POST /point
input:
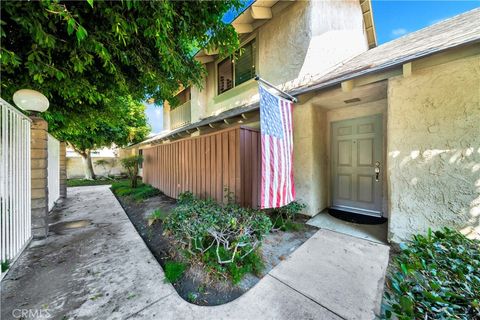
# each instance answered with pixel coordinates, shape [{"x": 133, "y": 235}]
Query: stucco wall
[
  {"x": 434, "y": 149},
  {"x": 306, "y": 38},
  {"x": 75, "y": 167},
  {"x": 309, "y": 157}
]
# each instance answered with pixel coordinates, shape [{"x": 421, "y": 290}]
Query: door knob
[{"x": 377, "y": 171}]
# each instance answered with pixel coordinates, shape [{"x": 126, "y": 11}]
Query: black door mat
[{"x": 355, "y": 217}]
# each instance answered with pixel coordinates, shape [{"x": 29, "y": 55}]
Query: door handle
[{"x": 377, "y": 171}]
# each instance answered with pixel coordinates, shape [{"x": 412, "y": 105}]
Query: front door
[{"x": 357, "y": 156}]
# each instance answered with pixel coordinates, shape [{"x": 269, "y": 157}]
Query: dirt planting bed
[{"x": 196, "y": 285}]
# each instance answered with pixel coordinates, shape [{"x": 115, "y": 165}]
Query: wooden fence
[{"x": 208, "y": 164}]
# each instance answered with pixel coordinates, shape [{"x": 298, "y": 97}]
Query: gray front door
[{"x": 357, "y": 156}]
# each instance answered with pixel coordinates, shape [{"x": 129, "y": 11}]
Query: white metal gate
[
  {"x": 15, "y": 182},
  {"x": 53, "y": 171}
]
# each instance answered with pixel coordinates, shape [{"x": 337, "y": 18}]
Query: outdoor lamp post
[
  {"x": 35, "y": 102},
  {"x": 30, "y": 100}
]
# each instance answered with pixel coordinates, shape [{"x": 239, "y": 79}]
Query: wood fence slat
[
  {"x": 189, "y": 165},
  {"x": 238, "y": 164},
  {"x": 207, "y": 167},
  {"x": 195, "y": 167},
  {"x": 248, "y": 167},
  {"x": 256, "y": 163},
  {"x": 231, "y": 161},
  {"x": 212, "y": 171},
  {"x": 218, "y": 168},
  {"x": 225, "y": 164}
]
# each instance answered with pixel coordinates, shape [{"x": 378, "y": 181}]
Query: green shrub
[
  {"x": 252, "y": 263},
  {"x": 156, "y": 215},
  {"x": 131, "y": 164},
  {"x": 192, "y": 297},
  {"x": 220, "y": 235},
  {"x": 435, "y": 277},
  {"x": 283, "y": 217},
  {"x": 141, "y": 192},
  {"x": 174, "y": 271},
  {"x": 5, "y": 265},
  {"x": 185, "y": 198}
]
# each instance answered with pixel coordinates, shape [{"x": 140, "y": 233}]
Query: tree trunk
[{"x": 87, "y": 165}]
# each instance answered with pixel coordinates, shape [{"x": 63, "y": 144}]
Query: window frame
[{"x": 218, "y": 61}]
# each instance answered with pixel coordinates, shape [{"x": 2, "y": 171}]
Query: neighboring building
[{"x": 389, "y": 131}]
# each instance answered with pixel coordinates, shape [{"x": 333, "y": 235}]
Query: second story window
[{"x": 234, "y": 71}]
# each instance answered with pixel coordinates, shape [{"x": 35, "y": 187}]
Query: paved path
[{"x": 103, "y": 270}]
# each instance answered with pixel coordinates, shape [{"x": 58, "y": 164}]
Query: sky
[{"x": 392, "y": 19}]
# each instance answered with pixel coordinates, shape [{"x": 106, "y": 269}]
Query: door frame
[{"x": 384, "y": 189}]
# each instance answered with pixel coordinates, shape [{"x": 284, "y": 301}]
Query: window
[{"x": 238, "y": 69}]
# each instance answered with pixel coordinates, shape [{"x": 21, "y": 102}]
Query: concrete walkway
[{"x": 99, "y": 268}]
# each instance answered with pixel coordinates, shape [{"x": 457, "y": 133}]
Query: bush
[
  {"x": 131, "y": 164},
  {"x": 219, "y": 235},
  {"x": 283, "y": 217},
  {"x": 174, "y": 271},
  {"x": 141, "y": 192},
  {"x": 5, "y": 265},
  {"x": 156, "y": 215},
  {"x": 435, "y": 277}
]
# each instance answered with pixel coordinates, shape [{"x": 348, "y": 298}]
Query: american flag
[{"x": 278, "y": 188}]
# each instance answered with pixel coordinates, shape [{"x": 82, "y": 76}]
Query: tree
[
  {"x": 79, "y": 54},
  {"x": 131, "y": 164},
  {"x": 121, "y": 122},
  {"x": 83, "y": 55}
]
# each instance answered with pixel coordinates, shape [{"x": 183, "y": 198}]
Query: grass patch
[
  {"x": 141, "y": 192},
  {"x": 436, "y": 276},
  {"x": 174, "y": 271},
  {"x": 85, "y": 182}
]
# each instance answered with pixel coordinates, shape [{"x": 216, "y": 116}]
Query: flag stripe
[{"x": 277, "y": 188}]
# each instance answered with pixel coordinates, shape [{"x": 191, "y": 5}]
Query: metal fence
[
  {"x": 53, "y": 171},
  {"x": 15, "y": 182}
]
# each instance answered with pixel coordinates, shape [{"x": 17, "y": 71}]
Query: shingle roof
[
  {"x": 459, "y": 30},
  {"x": 454, "y": 32}
]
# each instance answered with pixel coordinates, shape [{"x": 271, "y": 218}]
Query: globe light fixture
[{"x": 30, "y": 100}]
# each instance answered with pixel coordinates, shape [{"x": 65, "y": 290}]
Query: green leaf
[
  {"x": 407, "y": 305},
  {"x": 90, "y": 2},
  {"x": 404, "y": 268},
  {"x": 70, "y": 26},
  {"x": 81, "y": 33}
]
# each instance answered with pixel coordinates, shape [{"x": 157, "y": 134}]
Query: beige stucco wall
[
  {"x": 309, "y": 157},
  {"x": 305, "y": 38},
  {"x": 75, "y": 167},
  {"x": 434, "y": 149},
  {"x": 303, "y": 144}
]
